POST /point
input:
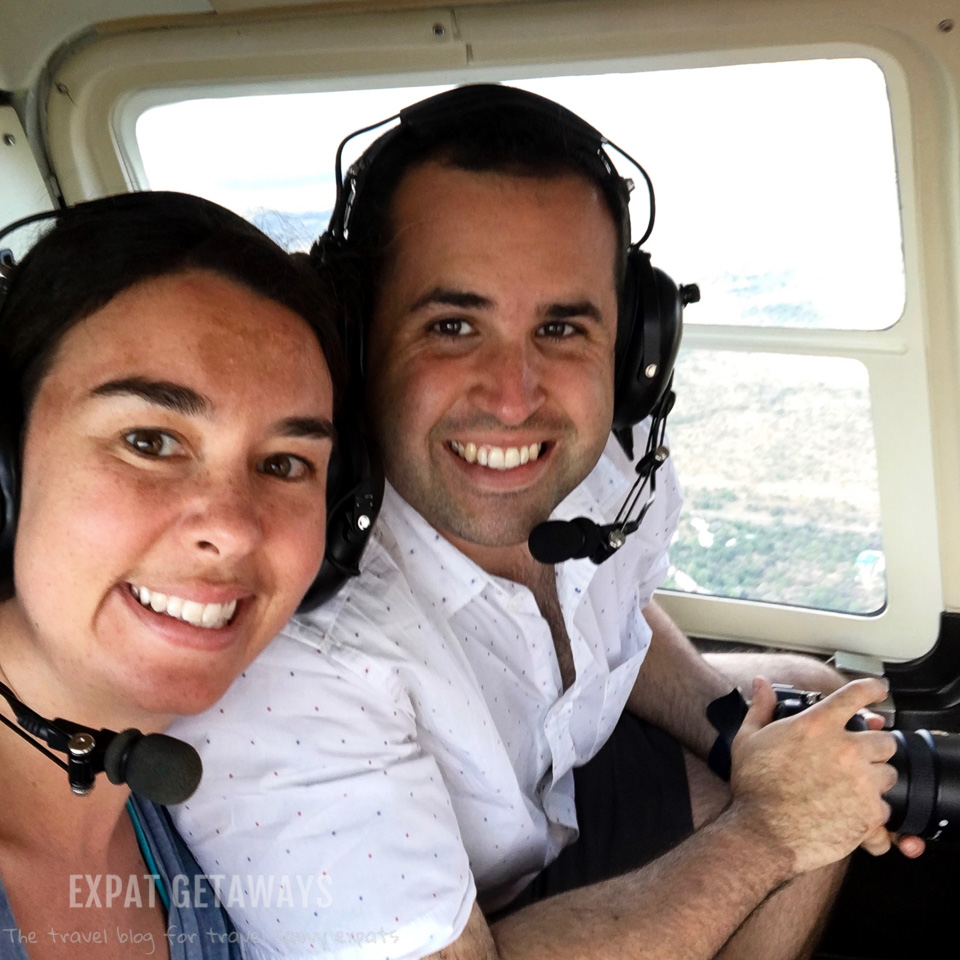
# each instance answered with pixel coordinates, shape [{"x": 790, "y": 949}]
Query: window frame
[{"x": 92, "y": 139}]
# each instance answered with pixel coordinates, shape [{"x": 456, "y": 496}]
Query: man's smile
[{"x": 497, "y": 458}]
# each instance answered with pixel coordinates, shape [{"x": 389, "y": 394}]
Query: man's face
[{"x": 490, "y": 354}]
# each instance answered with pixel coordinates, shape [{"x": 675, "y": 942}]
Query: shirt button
[{"x": 515, "y": 603}]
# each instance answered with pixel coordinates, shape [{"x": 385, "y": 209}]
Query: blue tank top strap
[
  {"x": 11, "y": 943},
  {"x": 148, "y": 857},
  {"x": 198, "y": 927}
]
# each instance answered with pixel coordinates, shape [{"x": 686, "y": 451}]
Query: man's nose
[
  {"x": 509, "y": 382},
  {"x": 222, "y": 516}
]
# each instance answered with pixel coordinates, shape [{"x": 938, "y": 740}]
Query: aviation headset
[
  {"x": 351, "y": 484},
  {"x": 650, "y": 309}
]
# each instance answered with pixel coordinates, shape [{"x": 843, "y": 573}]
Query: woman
[{"x": 173, "y": 375}]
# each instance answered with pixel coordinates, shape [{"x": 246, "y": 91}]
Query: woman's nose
[{"x": 223, "y": 518}]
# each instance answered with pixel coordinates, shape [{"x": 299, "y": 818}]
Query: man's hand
[
  {"x": 812, "y": 786},
  {"x": 909, "y": 845}
]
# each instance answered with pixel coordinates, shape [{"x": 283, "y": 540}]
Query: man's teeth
[
  {"x": 497, "y": 458},
  {"x": 211, "y": 615}
]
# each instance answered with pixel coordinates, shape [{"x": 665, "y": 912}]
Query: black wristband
[{"x": 726, "y": 713}]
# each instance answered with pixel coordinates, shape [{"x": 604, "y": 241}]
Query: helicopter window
[
  {"x": 778, "y": 192},
  {"x": 779, "y": 470},
  {"x": 776, "y": 182}
]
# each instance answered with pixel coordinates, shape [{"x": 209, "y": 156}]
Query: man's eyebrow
[
  {"x": 446, "y": 296},
  {"x": 163, "y": 393},
  {"x": 581, "y": 308},
  {"x": 308, "y": 428}
]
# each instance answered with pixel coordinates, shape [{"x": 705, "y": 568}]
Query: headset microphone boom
[{"x": 159, "y": 768}]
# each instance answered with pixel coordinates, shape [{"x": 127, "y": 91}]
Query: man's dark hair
[{"x": 494, "y": 137}]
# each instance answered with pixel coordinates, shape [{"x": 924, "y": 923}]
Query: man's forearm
[
  {"x": 675, "y": 684},
  {"x": 685, "y": 905},
  {"x": 806, "y": 792}
]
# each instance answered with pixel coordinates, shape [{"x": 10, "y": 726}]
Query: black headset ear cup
[
  {"x": 354, "y": 494},
  {"x": 9, "y": 493},
  {"x": 354, "y": 479},
  {"x": 650, "y": 325},
  {"x": 10, "y": 419}
]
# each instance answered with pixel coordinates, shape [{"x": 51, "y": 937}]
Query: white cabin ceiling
[{"x": 31, "y": 30}]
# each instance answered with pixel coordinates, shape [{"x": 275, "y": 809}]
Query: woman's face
[{"x": 173, "y": 498}]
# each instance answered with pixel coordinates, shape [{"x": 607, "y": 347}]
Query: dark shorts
[{"x": 633, "y": 804}]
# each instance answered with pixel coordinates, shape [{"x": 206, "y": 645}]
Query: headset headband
[{"x": 420, "y": 118}]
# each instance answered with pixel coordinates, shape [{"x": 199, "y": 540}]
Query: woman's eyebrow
[
  {"x": 186, "y": 400},
  {"x": 163, "y": 393}
]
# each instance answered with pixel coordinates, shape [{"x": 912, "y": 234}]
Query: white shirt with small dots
[{"x": 410, "y": 743}]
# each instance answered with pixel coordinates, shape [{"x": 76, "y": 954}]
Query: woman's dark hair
[{"x": 96, "y": 250}]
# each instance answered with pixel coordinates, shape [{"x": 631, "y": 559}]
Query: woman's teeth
[
  {"x": 210, "y": 615},
  {"x": 496, "y": 458}
]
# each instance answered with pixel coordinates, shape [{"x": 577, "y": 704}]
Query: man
[{"x": 414, "y": 742}]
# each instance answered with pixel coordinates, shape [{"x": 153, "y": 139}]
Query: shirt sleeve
[{"x": 321, "y": 823}]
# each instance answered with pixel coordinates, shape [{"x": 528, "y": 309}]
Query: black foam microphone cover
[
  {"x": 557, "y": 540},
  {"x": 155, "y": 766}
]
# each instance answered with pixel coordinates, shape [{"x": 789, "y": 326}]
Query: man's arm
[
  {"x": 675, "y": 684},
  {"x": 682, "y": 905},
  {"x": 806, "y": 792}
]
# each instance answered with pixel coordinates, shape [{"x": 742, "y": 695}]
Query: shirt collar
[
  {"x": 443, "y": 576},
  {"x": 436, "y": 570}
]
